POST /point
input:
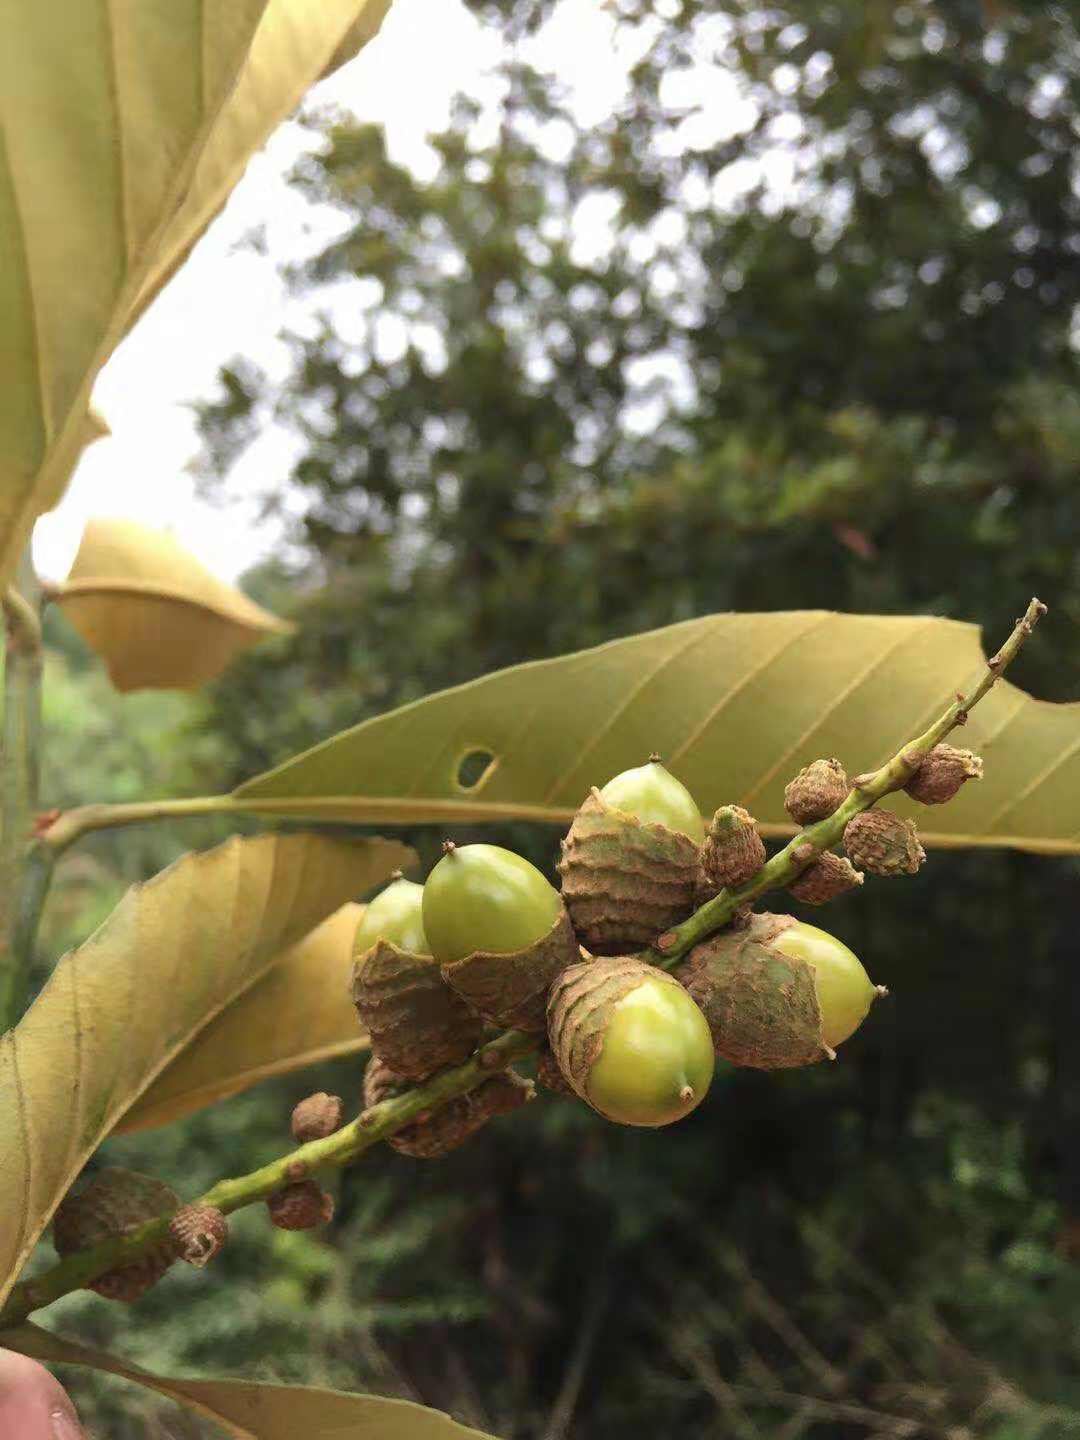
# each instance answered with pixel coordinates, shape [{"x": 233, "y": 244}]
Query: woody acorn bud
[
  {"x": 302, "y": 1206},
  {"x": 114, "y": 1202},
  {"x": 434, "y": 1135},
  {"x": 816, "y": 791},
  {"x": 316, "y": 1117},
  {"x": 733, "y": 849},
  {"x": 198, "y": 1232},
  {"x": 942, "y": 773},
  {"x": 830, "y": 875},
  {"x": 883, "y": 843}
]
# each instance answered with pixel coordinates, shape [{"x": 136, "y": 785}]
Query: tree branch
[
  {"x": 787, "y": 864},
  {"x": 18, "y": 791},
  {"x": 341, "y": 1148},
  {"x": 381, "y": 1121}
]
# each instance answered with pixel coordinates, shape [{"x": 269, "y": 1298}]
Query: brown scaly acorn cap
[
  {"x": 830, "y": 875},
  {"x": 302, "y": 1206},
  {"x": 416, "y": 1021},
  {"x": 733, "y": 849},
  {"x": 625, "y": 882},
  {"x": 761, "y": 1005},
  {"x": 580, "y": 1006},
  {"x": 942, "y": 773},
  {"x": 816, "y": 791},
  {"x": 198, "y": 1233},
  {"x": 444, "y": 1129},
  {"x": 883, "y": 843},
  {"x": 316, "y": 1117},
  {"x": 550, "y": 1077},
  {"x": 510, "y": 989},
  {"x": 115, "y": 1201}
]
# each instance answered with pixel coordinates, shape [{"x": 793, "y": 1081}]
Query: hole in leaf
[{"x": 474, "y": 767}]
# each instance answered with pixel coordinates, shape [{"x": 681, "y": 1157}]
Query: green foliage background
[{"x": 857, "y": 390}]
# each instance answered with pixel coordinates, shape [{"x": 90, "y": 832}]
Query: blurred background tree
[{"x": 812, "y": 348}]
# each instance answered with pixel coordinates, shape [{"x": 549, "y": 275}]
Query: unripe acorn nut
[
  {"x": 778, "y": 993},
  {"x": 630, "y": 1041},
  {"x": 395, "y": 914},
  {"x": 655, "y": 797},
  {"x": 500, "y": 931}
]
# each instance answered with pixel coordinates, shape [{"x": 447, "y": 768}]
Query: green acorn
[
  {"x": 943, "y": 771},
  {"x": 883, "y": 843},
  {"x": 114, "y": 1202},
  {"x": 630, "y": 1041},
  {"x": 816, "y": 791},
  {"x": 778, "y": 993},
  {"x": 443, "y": 1130},
  {"x": 416, "y": 1021},
  {"x": 631, "y": 863},
  {"x": 829, "y": 876},
  {"x": 500, "y": 931},
  {"x": 733, "y": 849}
]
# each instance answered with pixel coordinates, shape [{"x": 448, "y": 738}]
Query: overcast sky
[{"x": 227, "y": 301}]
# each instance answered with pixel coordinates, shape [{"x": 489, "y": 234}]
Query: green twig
[
  {"x": 18, "y": 791},
  {"x": 367, "y": 1130},
  {"x": 787, "y": 864},
  {"x": 383, "y": 1120}
]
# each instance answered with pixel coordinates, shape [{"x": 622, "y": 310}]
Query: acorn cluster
[{"x": 487, "y": 941}]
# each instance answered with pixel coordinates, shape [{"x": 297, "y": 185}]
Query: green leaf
[
  {"x": 157, "y": 617},
  {"x": 734, "y": 703},
  {"x": 175, "y": 954},
  {"x": 250, "y": 1411},
  {"x": 298, "y": 1014},
  {"x": 124, "y": 128}
]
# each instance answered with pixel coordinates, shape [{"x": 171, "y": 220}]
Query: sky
[{"x": 228, "y": 301}]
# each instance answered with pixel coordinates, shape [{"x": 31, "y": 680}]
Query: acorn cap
[
  {"x": 114, "y": 1202},
  {"x": 816, "y": 791},
  {"x": 302, "y": 1206},
  {"x": 625, "y": 882},
  {"x": 316, "y": 1117},
  {"x": 198, "y": 1233},
  {"x": 444, "y": 1129},
  {"x": 510, "y": 989},
  {"x": 943, "y": 771},
  {"x": 733, "y": 849},
  {"x": 830, "y": 875},
  {"x": 550, "y": 1077},
  {"x": 761, "y": 1005},
  {"x": 883, "y": 843},
  {"x": 416, "y": 1021}
]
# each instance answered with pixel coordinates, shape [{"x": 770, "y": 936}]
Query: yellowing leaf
[
  {"x": 175, "y": 953},
  {"x": 123, "y": 128},
  {"x": 301, "y": 1012},
  {"x": 734, "y": 703},
  {"x": 249, "y": 1411},
  {"x": 154, "y": 613}
]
